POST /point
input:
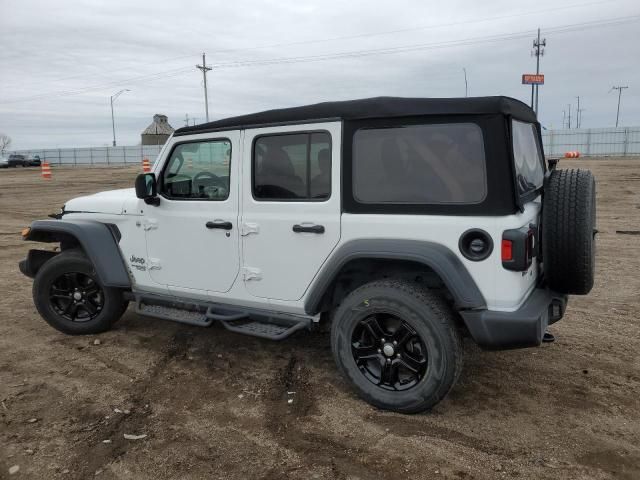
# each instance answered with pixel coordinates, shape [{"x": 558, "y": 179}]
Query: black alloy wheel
[
  {"x": 397, "y": 343},
  {"x": 389, "y": 352},
  {"x": 69, "y": 295},
  {"x": 76, "y": 297}
]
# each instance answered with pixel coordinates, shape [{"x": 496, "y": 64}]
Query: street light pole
[{"x": 113, "y": 123}]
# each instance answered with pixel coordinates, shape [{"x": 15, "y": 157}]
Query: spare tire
[{"x": 568, "y": 231}]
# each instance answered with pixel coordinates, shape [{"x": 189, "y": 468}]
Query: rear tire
[
  {"x": 70, "y": 297},
  {"x": 568, "y": 229},
  {"x": 398, "y": 345}
]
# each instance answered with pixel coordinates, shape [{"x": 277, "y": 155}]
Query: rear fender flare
[{"x": 439, "y": 258}]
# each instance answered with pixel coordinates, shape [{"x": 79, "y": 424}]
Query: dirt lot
[{"x": 214, "y": 404}]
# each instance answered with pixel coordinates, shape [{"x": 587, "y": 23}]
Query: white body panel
[
  {"x": 182, "y": 253},
  {"x": 184, "y": 258},
  {"x": 502, "y": 289},
  {"x": 271, "y": 251}
]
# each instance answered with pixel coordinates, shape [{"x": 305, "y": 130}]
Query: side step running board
[{"x": 256, "y": 323}]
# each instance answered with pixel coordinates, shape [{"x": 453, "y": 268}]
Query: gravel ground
[{"x": 213, "y": 404}]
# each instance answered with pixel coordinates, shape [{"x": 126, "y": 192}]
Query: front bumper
[
  {"x": 35, "y": 259},
  {"x": 523, "y": 328}
]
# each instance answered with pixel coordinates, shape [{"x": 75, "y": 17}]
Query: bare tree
[{"x": 5, "y": 142}]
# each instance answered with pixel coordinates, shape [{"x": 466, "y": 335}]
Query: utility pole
[
  {"x": 538, "y": 52},
  {"x": 569, "y": 105},
  {"x": 113, "y": 122},
  {"x": 619, "y": 88},
  {"x": 564, "y": 118},
  {"x": 204, "y": 69},
  {"x": 466, "y": 85},
  {"x": 186, "y": 119},
  {"x": 578, "y": 113}
]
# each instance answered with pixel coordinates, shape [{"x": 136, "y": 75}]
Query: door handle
[
  {"x": 222, "y": 225},
  {"x": 308, "y": 229}
]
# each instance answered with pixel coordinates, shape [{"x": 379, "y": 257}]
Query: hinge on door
[
  {"x": 154, "y": 264},
  {"x": 250, "y": 273},
  {"x": 249, "y": 228},
  {"x": 149, "y": 224}
]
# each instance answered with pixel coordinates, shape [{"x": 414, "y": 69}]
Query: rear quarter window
[
  {"x": 527, "y": 156},
  {"x": 420, "y": 164}
]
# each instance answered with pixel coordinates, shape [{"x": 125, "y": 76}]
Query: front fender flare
[
  {"x": 96, "y": 239},
  {"x": 434, "y": 255}
]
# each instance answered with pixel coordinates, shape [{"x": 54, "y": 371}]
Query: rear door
[{"x": 290, "y": 206}]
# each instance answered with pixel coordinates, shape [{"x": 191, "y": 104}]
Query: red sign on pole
[{"x": 532, "y": 79}]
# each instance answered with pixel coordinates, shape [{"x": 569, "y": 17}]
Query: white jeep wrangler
[{"x": 405, "y": 223}]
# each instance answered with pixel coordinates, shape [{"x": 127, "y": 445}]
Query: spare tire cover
[{"x": 568, "y": 231}]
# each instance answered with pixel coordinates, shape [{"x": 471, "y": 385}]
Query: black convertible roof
[{"x": 368, "y": 108}]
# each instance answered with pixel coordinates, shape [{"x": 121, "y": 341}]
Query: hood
[{"x": 111, "y": 201}]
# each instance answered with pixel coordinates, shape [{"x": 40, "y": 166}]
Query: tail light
[
  {"x": 519, "y": 247},
  {"x": 507, "y": 250}
]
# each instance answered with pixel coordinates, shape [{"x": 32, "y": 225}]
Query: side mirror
[{"x": 146, "y": 188}]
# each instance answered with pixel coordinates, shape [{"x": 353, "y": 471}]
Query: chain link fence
[
  {"x": 617, "y": 142},
  {"x": 95, "y": 155},
  {"x": 589, "y": 142}
]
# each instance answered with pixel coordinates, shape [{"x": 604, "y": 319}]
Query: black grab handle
[
  {"x": 309, "y": 229},
  {"x": 223, "y": 225}
]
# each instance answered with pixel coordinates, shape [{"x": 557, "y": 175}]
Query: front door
[
  {"x": 291, "y": 207},
  {"x": 192, "y": 236}
]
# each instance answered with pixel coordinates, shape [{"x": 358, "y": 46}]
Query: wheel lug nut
[
  {"x": 379, "y": 351},
  {"x": 383, "y": 340},
  {"x": 395, "y": 342}
]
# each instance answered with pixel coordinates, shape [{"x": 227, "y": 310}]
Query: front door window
[{"x": 198, "y": 170}]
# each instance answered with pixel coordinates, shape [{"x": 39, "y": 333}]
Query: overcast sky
[{"x": 61, "y": 61}]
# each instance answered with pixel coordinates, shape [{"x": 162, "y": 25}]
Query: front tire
[
  {"x": 70, "y": 297},
  {"x": 398, "y": 345}
]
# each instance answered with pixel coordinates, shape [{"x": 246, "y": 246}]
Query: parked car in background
[
  {"x": 4, "y": 161},
  {"x": 34, "y": 160},
  {"x": 18, "y": 160}
]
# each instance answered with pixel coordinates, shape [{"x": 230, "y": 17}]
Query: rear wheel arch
[{"x": 361, "y": 261}]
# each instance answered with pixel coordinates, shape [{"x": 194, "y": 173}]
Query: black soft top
[{"x": 368, "y": 108}]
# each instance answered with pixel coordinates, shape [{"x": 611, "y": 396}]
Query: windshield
[{"x": 527, "y": 155}]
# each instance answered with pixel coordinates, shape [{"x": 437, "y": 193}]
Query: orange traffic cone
[
  {"x": 46, "y": 170},
  {"x": 146, "y": 166}
]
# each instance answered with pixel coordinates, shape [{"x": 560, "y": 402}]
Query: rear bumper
[{"x": 523, "y": 328}]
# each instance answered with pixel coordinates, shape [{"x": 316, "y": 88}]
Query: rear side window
[
  {"x": 527, "y": 156},
  {"x": 420, "y": 164},
  {"x": 292, "y": 167}
]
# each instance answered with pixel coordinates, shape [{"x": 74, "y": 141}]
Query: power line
[
  {"x": 67, "y": 93},
  {"x": 417, "y": 28},
  {"x": 427, "y": 46},
  {"x": 356, "y": 36},
  {"x": 339, "y": 55}
]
